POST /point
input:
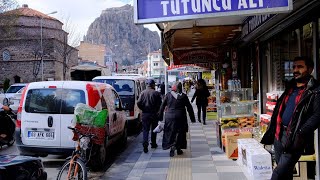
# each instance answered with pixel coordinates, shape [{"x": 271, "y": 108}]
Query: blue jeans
[{"x": 285, "y": 161}]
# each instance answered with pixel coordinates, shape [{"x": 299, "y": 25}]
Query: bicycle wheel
[{"x": 80, "y": 175}]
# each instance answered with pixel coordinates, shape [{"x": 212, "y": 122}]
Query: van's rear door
[
  {"x": 73, "y": 94},
  {"x": 40, "y": 117}
]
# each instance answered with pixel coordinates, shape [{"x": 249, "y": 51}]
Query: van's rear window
[
  {"x": 53, "y": 101},
  {"x": 122, "y": 86}
]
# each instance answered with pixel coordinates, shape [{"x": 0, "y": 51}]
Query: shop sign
[
  {"x": 189, "y": 67},
  {"x": 206, "y": 75},
  {"x": 253, "y": 22},
  {"x": 179, "y": 66},
  {"x": 154, "y": 11},
  {"x": 197, "y": 56}
]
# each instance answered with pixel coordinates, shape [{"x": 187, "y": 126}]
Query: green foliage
[{"x": 6, "y": 84}]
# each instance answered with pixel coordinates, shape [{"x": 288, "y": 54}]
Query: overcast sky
[{"x": 80, "y": 12}]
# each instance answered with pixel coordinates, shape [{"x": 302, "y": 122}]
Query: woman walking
[
  {"x": 176, "y": 123},
  {"x": 202, "y": 94}
]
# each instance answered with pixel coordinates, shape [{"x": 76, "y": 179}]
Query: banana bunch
[{"x": 229, "y": 123}]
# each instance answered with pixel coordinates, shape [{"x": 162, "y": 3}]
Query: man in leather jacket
[
  {"x": 294, "y": 120},
  {"x": 149, "y": 102}
]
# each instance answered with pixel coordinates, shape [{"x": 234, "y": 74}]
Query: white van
[
  {"x": 129, "y": 89},
  {"x": 46, "y": 110}
]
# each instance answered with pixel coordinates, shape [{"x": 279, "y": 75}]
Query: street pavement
[{"x": 202, "y": 160}]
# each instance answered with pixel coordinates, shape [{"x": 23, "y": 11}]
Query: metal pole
[
  {"x": 165, "y": 80},
  {"x": 41, "y": 44},
  {"x": 315, "y": 31},
  {"x": 41, "y": 48}
]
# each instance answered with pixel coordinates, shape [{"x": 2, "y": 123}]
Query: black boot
[
  {"x": 172, "y": 151},
  {"x": 154, "y": 145},
  {"x": 145, "y": 147},
  {"x": 179, "y": 151}
]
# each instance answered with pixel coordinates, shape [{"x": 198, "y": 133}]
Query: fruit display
[
  {"x": 246, "y": 121},
  {"x": 229, "y": 123},
  {"x": 225, "y": 99},
  {"x": 211, "y": 99}
]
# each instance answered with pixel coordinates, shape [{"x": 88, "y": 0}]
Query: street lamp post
[{"x": 41, "y": 45}]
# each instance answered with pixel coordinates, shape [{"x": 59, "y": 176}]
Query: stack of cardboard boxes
[{"x": 255, "y": 159}]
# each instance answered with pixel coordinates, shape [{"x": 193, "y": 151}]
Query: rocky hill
[{"x": 129, "y": 42}]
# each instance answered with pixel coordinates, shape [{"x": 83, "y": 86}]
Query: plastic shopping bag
[{"x": 159, "y": 128}]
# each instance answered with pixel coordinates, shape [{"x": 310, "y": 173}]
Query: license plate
[{"x": 40, "y": 135}]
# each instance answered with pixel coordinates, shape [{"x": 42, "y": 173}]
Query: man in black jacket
[
  {"x": 294, "y": 120},
  {"x": 149, "y": 102}
]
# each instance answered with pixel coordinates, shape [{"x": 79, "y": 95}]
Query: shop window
[
  {"x": 307, "y": 42},
  {"x": 285, "y": 47}
]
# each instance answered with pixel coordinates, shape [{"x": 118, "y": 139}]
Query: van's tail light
[
  {"x": 131, "y": 113},
  {"x": 18, "y": 121}
]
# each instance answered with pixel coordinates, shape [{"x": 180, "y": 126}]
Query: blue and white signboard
[{"x": 153, "y": 11}]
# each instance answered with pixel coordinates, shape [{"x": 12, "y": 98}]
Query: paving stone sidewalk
[{"x": 203, "y": 160}]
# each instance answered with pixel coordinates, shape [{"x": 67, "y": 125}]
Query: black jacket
[
  {"x": 149, "y": 101},
  {"x": 305, "y": 120},
  {"x": 202, "y": 96},
  {"x": 175, "y": 118}
]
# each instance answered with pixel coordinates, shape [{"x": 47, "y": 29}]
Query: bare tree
[
  {"x": 6, "y": 5},
  {"x": 70, "y": 40},
  {"x": 74, "y": 36}
]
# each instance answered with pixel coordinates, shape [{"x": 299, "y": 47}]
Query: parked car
[
  {"x": 21, "y": 167},
  {"x": 11, "y": 91},
  {"x": 129, "y": 89},
  {"x": 14, "y": 101},
  {"x": 47, "y": 109}
]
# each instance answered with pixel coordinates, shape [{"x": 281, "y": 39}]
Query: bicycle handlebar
[{"x": 78, "y": 132}]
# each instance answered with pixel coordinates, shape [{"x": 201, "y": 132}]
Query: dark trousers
[
  {"x": 181, "y": 140},
  {"x": 149, "y": 120},
  {"x": 203, "y": 108},
  {"x": 285, "y": 161}
]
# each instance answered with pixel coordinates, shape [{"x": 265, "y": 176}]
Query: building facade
[
  {"x": 99, "y": 54},
  {"x": 30, "y": 41},
  {"x": 156, "y": 66}
]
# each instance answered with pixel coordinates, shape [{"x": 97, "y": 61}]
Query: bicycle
[{"x": 75, "y": 167}]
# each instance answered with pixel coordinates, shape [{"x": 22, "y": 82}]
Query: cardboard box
[
  {"x": 232, "y": 144},
  {"x": 259, "y": 163},
  {"x": 243, "y": 145}
]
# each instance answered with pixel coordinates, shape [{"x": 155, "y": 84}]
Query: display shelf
[{"x": 236, "y": 116}]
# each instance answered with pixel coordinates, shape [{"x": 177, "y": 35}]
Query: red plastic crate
[{"x": 100, "y": 133}]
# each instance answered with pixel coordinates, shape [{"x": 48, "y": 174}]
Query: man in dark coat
[
  {"x": 162, "y": 88},
  {"x": 149, "y": 102},
  {"x": 294, "y": 120},
  {"x": 176, "y": 123}
]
